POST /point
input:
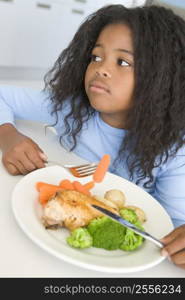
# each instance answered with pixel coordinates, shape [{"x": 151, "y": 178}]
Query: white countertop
[{"x": 20, "y": 257}]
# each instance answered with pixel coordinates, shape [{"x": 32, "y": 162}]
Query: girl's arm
[
  {"x": 170, "y": 187},
  {"x": 175, "y": 246},
  {"x": 21, "y": 154},
  {"x": 25, "y": 104},
  {"x": 170, "y": 191}
]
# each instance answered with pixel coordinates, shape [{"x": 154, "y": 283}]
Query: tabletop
[{"x": 20, "y": 257}]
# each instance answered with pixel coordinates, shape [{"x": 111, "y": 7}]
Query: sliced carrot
[
  {"x": 80, "y": 188},
  {"x": 66, "y": 184},
  {"x": 89, "y": 185},
  {"x": 41, "y": 184},
  {"x": 46, "y": 192},
  {"x": 102, "y": 168}
]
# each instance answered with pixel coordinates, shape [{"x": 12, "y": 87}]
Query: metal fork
[{"x": 77, "y": 170}]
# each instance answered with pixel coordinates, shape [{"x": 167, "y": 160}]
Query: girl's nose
[{"x": 103, "y": 73}]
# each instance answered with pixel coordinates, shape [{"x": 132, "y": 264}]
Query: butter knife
[{"x": 129, "y": 225}]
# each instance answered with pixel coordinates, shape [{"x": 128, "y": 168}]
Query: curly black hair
[{"x": 157, "y": 119}]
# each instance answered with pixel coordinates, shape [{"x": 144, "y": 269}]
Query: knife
[{"x": 129, "y": 225}]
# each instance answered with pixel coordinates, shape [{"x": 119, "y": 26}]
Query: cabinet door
[
  {"x": 127, "y": 3},
  {"x": 67, "y": 18},
  {"x": 72, "y": 19},
  {"x": 37, "y": 33},
  {"x": 43, "y": 30},
  {"x": 7, "y": 32}
]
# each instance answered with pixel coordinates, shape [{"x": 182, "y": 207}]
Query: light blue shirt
[
  {"x": 178, "y": 3},
  {"x": 95, "y": 139}
]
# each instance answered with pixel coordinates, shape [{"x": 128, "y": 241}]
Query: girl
[{"x": 118, "y": 88}]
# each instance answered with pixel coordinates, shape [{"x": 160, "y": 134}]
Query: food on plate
[
  {"x": 66, "y": 184},
  {"x": 42, "y": 184},
  {"x": 89, "y": 185},
  {"x": 89, "y": 227},
  {"x": 131, "y": 240},
  {"x": 139, "y": 212},
  {"x": 101, "y": 169},
  {"x": 46, "y": 190},
  {"x": 80, "y": 188},
  {"x": 128, "y": 214},
  {"x": 106, "y": 233},
  {"x": 80, "y": 238},
  {"x": 110, "y": 235},
  {"x": 71, "y": 209},
  {"x": 77, "y": 186},
  {"x": 116, "y": 196},
  {"x": 69, "y": 205},
  {"x": 107, "y": 202}
]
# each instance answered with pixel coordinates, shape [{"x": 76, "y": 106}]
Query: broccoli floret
[
  {"x": 106, "y": 233},
  {"x": 138, "y": 224},
  {"x": 129, "y": 215},
  {"x": 80, "y": 238},
  {"x": 132, "y": 240},
  {"x": 96, "y": 223}
]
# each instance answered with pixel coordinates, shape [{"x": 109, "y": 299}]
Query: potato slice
[
  {"x": 107, "y": 202},
  {"x": 116, "y": 196},
  {"x": 139, "y": 212}
]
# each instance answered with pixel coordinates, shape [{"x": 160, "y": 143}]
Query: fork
[{"x": 77, "y": 170}]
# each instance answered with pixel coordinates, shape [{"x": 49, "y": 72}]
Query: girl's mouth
[{"x": 98, "y": 87}]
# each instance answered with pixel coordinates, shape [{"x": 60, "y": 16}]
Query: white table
[{"x": 19, "y": 256}]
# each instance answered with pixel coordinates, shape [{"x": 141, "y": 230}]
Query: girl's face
[{"x": 109, "y": 78}]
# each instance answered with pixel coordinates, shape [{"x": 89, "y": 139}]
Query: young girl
[{"x": 118, "y": 88}]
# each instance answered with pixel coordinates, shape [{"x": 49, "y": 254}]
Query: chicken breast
[{"x": 71, "y": 209}]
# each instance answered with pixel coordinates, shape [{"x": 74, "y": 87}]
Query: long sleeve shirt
[{"x": 94, "y": 140}]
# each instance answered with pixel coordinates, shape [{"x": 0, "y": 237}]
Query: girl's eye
[
  {"x": 122, "y": 62},
  {"x": 95, "y": 58}
]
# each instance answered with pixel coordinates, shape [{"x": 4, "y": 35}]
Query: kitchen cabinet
[
  {"x": 34, "y": 32},
  {"x": 127, "y": 3},
  {"x": 37, "y": 31},
  {"x": 7, "y": 32},
  {"x": 38, "y": 34}
]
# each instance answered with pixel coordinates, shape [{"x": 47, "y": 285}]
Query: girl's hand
[
  {"x": 20, "y": 154},
  {"x": 174, "y": 247}
]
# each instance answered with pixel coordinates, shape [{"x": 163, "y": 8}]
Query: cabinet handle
[
  {"x": 6, "y": 0},
  {"x": 77, "y": 11},
  {"x": 44, "y": 6},
  {"x": 82, "y": 1}
]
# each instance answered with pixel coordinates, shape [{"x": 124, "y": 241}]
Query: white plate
[{"x": 28, "y": 211}]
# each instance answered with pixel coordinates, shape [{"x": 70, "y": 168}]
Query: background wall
[
  {"x": 34, "y": 32},
  {"x": 177, "y": 5}
]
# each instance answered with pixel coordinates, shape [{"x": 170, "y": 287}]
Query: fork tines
[{"x": 85, "y": 170}]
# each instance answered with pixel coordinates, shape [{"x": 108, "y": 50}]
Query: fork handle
[
  {"x": 53, "y": 162},
  {"x": 59, "y": 164}
]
